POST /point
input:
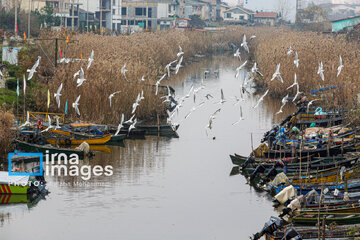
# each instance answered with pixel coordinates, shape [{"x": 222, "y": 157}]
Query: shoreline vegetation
[{"x": 147, "y": 54}]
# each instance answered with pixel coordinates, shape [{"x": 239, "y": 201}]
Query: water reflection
[{"x": 167, "y": 188}]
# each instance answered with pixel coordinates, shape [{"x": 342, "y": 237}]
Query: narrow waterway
[{"x": 164, "y": 188}]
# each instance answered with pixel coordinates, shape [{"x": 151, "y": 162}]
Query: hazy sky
[{"x": 266, "y": 5}]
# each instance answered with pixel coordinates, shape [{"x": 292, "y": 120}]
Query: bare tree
[{"x": 283, "y": 7}]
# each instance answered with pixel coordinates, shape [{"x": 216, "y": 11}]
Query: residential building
[
  {"x": 345, "y": 24},
  {"x": 223, "y": 8},
  {"x": 266, "y": 18},
  {"x": 238, "y": 15},
  {"x": 204, "y": 9}
]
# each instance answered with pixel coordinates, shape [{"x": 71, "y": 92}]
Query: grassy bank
[{"x": 6, "y": 122}]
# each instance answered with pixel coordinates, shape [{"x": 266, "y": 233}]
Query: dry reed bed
[
  {"x": 144, "y": 54},
  {"x": 6, "y": 122},
  {"x": 147, "y": 54},
  {"x": 272, "y": 47}
]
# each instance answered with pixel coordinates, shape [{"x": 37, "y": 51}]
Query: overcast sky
[{"x": 266, "y": 5}]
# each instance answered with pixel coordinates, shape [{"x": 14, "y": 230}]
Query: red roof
[{"x": 265, "y": 15}]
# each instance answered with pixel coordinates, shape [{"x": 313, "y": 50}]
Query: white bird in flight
[
  {"x": 33, "y": 69},
  {"x": 240, "y": 119},
  {"x": 261, "y": 98},
  {"x": 244, "y": 44},
  {"x": 120, "y": 126},
  {"x": 254, "y": 69},
  {"x": 27, "y": 122},
  {"x": 178, "y": 65},
  {"x": 91, "y": 59},
  {"x": 283, "y": 101},
  {"x": 294, "y": 84},
  {"x": 81, "y": 79},
  {"x": 239, "y": 68},
  {"x": 168, "y": 67},
  {"x": 211, "y": 119},
  {"x": 130, "y": 120},
  {"x": 310, "y": 103},
  {"x": 341, "y": 66},
  {"x": 290, "y": 51},
  {"x": 75, "y": 105},
  {"x": 76, "y": 74},
  {"x": 180, "y": 52},
  {"x": 296, "y": 61},
  {"x": 321, "y": 71},
  {"x": 237, "y": 54},
  {"x": 132, "y": 126},
  {"x": 158, "y": 83},
  {"x": 112, "y": 95},
  {"x": 49, "y": 125},
  {"x": 277, "y": 74},
  {"x": 297, "y": 92},
  {"x": 57, "y": 95},
  {"x": 123, "y": 72}
]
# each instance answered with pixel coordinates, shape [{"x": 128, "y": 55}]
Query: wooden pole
[{"x": 56, "y": 50}]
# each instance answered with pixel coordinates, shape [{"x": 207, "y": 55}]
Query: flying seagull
[
  {"x": 254, "y": 69},
  {"x": 239, "y": 68},
  {"x": 294, "y": 84},
  {"x": 168, "y": 67},
  {"x": 241, "y": 117},
  {"x": 76, "y": 105},
  {"x": 321, "y": 71},
  {"x": 261, "y": 98},
  {"x": 290, "y": 51},
  {"x": 27, "y": 122},
  {"x": 211, "y": 119},
  {"x": 33, "y": 69},
  {"x": 283, "y": 101},
  {"x": 112, "y": 95},
  {"x": 91, "y": 59},
  {"x": 123, "y": 72},
  {"x": 180, "y": 52},
  {"x": 57, "y": 95},
  {"x": 244, "y": 44},
  {"x": 81, "y": 79},
  {"x": 158, "y": 83},
  {"x": 49, "y": 125},
  {"x": 237, "y": 54},
  {"x": 310, "y": 103},
  {"x": 120, "y": 125},
  {"x": 296, "y": 61},
  {"x": 341, "y": 66},
  {"x": 297, "y": 92},
  {"x": 277, "y": 74},
  {"x": 132, "y": 126}
]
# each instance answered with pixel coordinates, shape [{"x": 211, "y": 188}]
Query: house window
[
  {"x": 241, "y": 17},
  {"x": 123, "y": 11},
  {"x": 169, "y": 8},
  {"x": 114, "y": 2},
  {"x": 113, "y": 11},
  {"x": 140, "y": 11},
  {"x": 228, "y": 15},
  {"x": 149, "y": 12},
  {"x": 149, "y": 23}
]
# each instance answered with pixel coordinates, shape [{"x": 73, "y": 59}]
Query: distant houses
[
  {"x": 345, "y": 24},
  {"x": 266, "y": 18},
  {"x": 239, "y": 15}
]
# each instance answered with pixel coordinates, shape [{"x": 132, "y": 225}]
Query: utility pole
[
  {"x": 15, "y": 27},
  {"x": 72, "y": 17},
  {"x": 87, "y": 15},
  {"x": 60, "y": 13},
  {"x": 29, "y": 19},
  {"x": 101, "y": 17}
]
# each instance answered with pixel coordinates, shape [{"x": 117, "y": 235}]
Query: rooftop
[
  {"x": 265, "y": 15},
  {"x": 345, "y": 19}
]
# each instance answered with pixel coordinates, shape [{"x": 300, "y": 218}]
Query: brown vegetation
[
  {"x": 147, "y": 54},
  {"x": 6, "y": 122}
]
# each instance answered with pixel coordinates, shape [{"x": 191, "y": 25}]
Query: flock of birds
[{"x": 80, "y": 79}]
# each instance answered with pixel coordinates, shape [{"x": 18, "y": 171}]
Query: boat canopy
[
  {"x": 13, "y": 180},
  {"x": 286, "y": 194}
]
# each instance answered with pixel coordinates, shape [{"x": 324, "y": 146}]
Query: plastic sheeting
[
  {"x": 286, "y": 194},
  {"x": 10, "y": 55},
  {"x": 281, "y": 178}
]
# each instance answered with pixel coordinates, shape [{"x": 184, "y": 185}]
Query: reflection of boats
[
  {"x": 73, "y": 141},
  {"x": 11, "y": 198},
  {"x": 46, "y": 149}
]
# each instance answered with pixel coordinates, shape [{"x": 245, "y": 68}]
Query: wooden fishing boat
[
  {"x": 307, "y": 187},
  {"x": 72, "y": 141},
  {"x": 320, "y": 152},
  {"x": 340, "y": 232},
  {"x": 30, "y": 147},
  {"x": 346, "y": 208},
  {"x": 326, "y": 177},
  {"x": 237, "y": 159},
  {"x": 337, "y": 218},
  {"x": 162, "y": 130},
  {"x": 81, "y": 135}
]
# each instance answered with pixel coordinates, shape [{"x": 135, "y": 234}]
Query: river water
[{"x": 163, "y": 188}]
